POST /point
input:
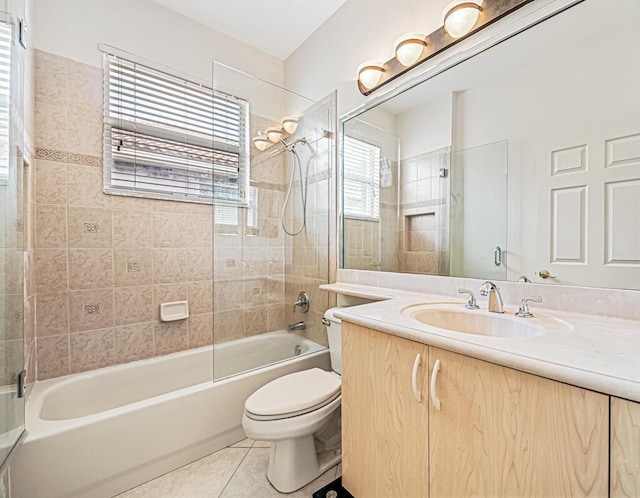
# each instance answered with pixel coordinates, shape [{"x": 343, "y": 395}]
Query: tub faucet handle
[{"x": 302, "y": 302}]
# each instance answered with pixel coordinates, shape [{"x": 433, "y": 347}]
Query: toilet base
[{"x": 294, "y": 463}]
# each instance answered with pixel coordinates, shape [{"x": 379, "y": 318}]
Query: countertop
[{"x": 595, "y": 352}]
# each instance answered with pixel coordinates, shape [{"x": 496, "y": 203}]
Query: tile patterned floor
[{"x": 238, "y": 471}]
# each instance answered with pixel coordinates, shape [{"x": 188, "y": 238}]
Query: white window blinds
[
  {"x": 5, "y": 98},
  {"x": 171, "y": 138},
  {"x": 361, "y": 179}
]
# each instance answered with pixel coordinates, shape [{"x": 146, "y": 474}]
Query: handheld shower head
[{"x": 290, "y": 147}]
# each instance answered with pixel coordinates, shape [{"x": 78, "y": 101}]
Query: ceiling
[{"x": 277, "y": 28}]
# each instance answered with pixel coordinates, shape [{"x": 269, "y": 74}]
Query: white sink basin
[{"x": 455, "y": 318}]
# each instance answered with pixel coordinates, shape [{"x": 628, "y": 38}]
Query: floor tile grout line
[{"x": 234, "y": 472}]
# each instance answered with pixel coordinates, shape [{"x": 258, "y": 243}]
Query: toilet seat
[{"x": 293, "y": 395}]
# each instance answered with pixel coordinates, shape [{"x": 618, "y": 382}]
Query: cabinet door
[
  {"x": 501, "y": 432},
  {"x": 384, "y": 427},
  {"x": 625, "y": 448}
]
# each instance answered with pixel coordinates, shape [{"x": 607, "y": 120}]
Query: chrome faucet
[
  {"x": 296, "y": 326},
  {"x": 495, "y": 299}
]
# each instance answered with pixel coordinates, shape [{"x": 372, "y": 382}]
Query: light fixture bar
[{"x": 440, "y": 40}]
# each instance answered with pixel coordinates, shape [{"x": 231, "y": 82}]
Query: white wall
[
  {"x": 360, "y": 30},
  {"x": 426, "y": 127},
  {"x": 74, "y": 28}
]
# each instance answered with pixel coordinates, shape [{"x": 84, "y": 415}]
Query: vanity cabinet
[
  {"x": 502, "y": 432},
  {"x": 384, "y": 427},
  {"x": 625, "y": 441},
  {"x": 497, "y": 432}
]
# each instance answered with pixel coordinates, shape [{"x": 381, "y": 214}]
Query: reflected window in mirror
[{"x": 361, "y": 179}]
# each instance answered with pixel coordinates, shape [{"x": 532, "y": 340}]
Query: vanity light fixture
[
  {"x": 261, "y": 143},
  {"x": 409, "y": 47},
  {"x": 369, "y": 73},
  {"x": 290, "y": 124},
  {"x": 459, "y": 17},
  {"x": 274, "y": 134}
]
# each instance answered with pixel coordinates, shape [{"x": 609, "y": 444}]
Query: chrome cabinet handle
[
  {"x": 545, "y": 274},
  {"x": 434, "y": 375},
  {"x": 414, "y": 378},
  {"x": 497, "y": 256}
]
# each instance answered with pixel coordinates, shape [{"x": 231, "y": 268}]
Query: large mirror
[{"x": 523, "y": 162}]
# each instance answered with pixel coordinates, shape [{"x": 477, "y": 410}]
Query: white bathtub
[{"x": 99, "y": 433}]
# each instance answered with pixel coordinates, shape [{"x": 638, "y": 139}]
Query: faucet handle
[
  {"x": 471, "y": 304},
  {"x": 523, "y": 311}
]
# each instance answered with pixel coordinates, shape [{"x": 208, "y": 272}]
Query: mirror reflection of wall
[{"x": 563, "y": 102}]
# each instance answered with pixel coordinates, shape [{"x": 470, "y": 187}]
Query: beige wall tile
[
  {"x": 256, "y": 320},
  {"x": 276, "y": 317},
  {"x": 200, "y": 297},
  {"x": 89, "y": 227},
  {"x": 228, "y": 295},
  {"x": 85, "y": 86},
  {"x": 131, "y": 228},
  {"x": 85, "y": 187},
  {"x": 133, "y": 305},
  {"x": 132, "y": 266},
  {"x": 200, "y": 263},
  {"x": 228, "y": 326},
  {"x": 52, "y": 313},
  {"x": 90, "y": 268},
  {"x": 51, "y": 270},
  {"x": 92, "y": 349},
  {"x": 51, "y": 126},
  {"x": 170, "y": 229},
  {"x": 171, "y": 337},
  {"x": 51, "y": 226},
  {"x": 90, "y": 309},
  {"x": 50, "y": 78},
  {"x": 51, "y": 182},
  {"x": 200, "y": 330},
  {"x": 85, "y": 130},
  {"x": 134, "y": 342},
  {"x": 53, "y": 356},
  {"x": 170, "y": 265}
]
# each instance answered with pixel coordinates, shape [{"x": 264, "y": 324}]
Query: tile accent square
[{"x": 90, "y": 309}]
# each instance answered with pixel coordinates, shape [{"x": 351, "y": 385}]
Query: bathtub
[{"x": 99, "y": 433}]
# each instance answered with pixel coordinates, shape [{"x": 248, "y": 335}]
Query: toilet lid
[{"x": 296, "y": 392}]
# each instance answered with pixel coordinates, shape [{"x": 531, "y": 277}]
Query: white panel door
[{"x": 589, "y": 207}]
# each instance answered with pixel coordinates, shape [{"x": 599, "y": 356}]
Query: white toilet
[{"x": 300, "y": 414}]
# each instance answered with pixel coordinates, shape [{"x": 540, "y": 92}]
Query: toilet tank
[{"x": 334, "y": 326}]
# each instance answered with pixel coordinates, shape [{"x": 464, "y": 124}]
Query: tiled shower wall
[
  {"x": 423, "y": 228},
  {"x": 104, "y": 263}
]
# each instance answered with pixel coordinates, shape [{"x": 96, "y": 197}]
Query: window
[
  {"x": 171, "y": 138},
  {"x": 361, "y": 178},
  {"x": 5, "y": 99}
]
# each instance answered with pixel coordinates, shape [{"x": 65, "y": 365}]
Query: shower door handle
[{"x": 497, "y": 256}]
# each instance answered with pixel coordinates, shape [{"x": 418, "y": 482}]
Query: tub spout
[{"x": 296, "y": 326}]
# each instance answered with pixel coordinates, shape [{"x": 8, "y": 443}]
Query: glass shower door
[
  {"x": 479, "y": 212},
  {"x": 273, "y": 243},
  {"x": 11, "y": 246}
]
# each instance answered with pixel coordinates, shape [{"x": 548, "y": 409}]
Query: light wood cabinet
[
  {"x": 499, "y": 431},
  {"x": 625, "y": 448},
  {"x": 502, "y": 432},
  {"x": 384, "y": 427}
]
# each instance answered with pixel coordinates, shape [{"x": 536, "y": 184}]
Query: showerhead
[{"x": 290, "y": 147}]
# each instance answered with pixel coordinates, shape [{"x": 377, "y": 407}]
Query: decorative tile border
[{"x": 67, "y": 157}]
